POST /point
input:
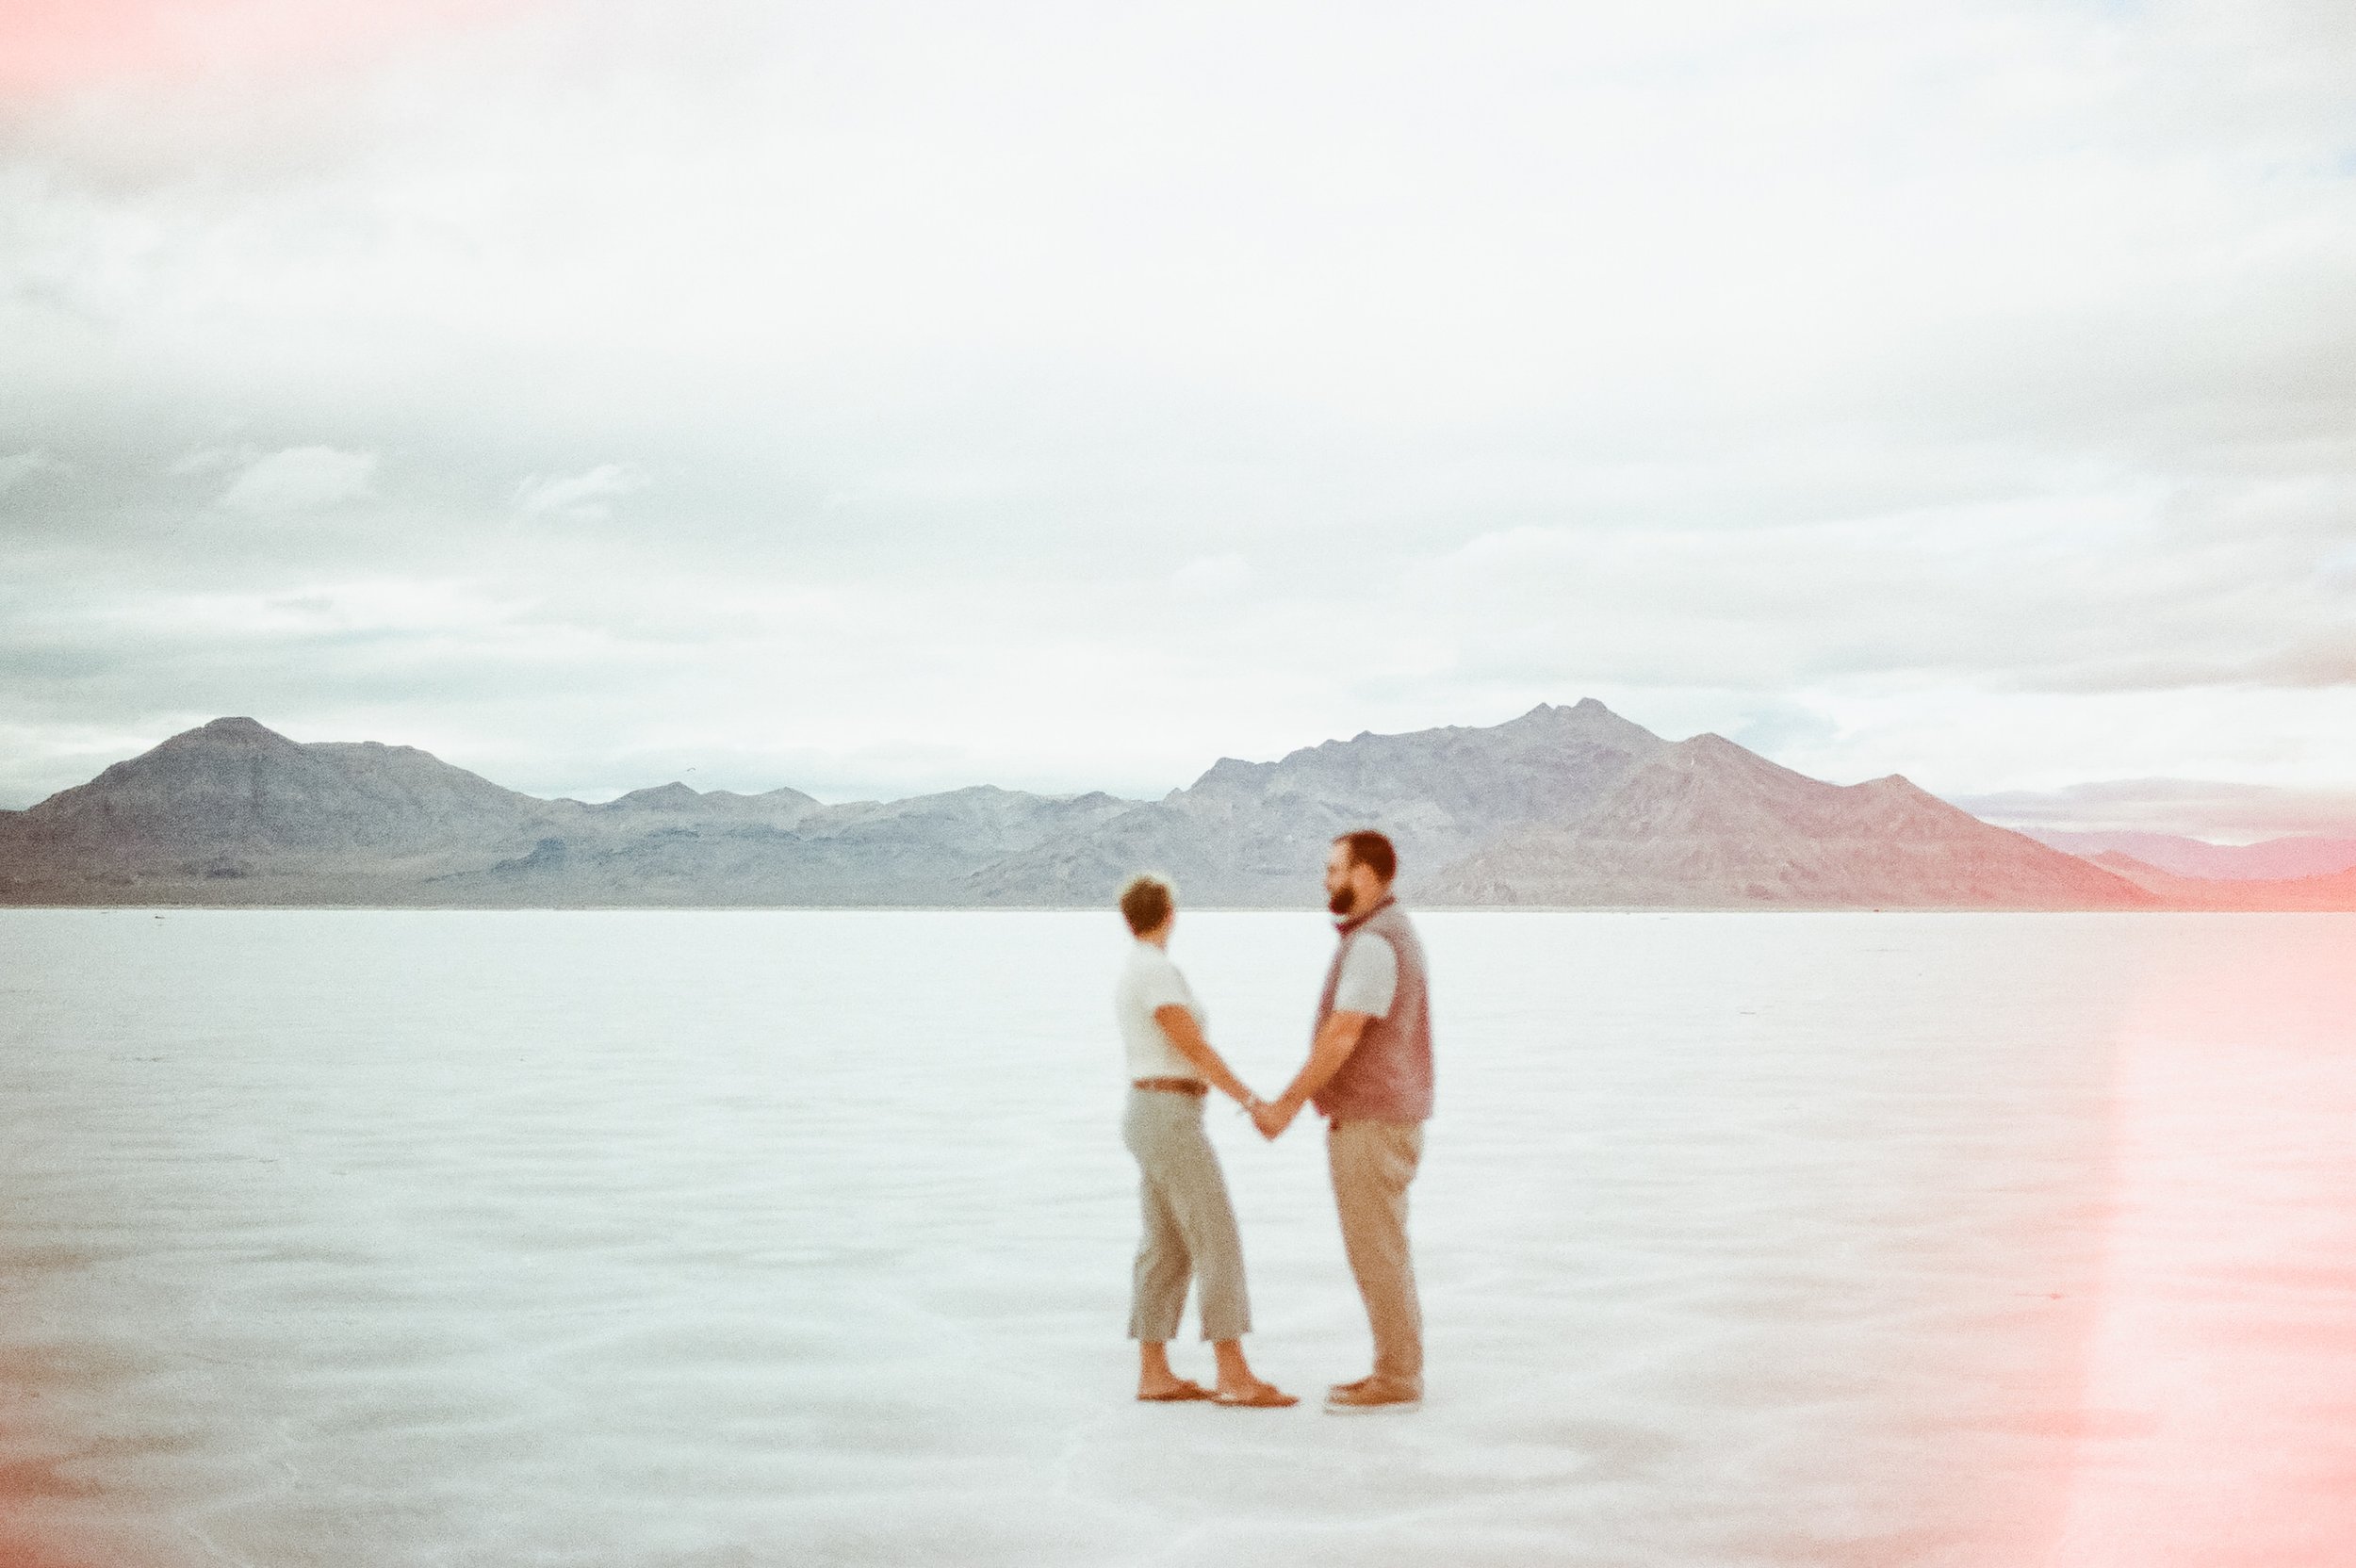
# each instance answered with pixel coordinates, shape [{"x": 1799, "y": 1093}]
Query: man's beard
[{"x": 1340, "y": 902}]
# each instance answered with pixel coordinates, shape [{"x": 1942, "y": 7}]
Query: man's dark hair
[
  {"x": 1373, "y": 851},
  {"x": 1146, "y": 901}
]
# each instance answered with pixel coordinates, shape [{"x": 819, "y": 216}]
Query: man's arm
[
  {"x": 1335, "y": 1042},
  {"x": 1185, "y": 1038},
  {"x": 1362, "y": 994}
]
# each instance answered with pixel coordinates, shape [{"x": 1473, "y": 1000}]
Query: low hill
[
  {"x": 2274, "y": 861},
  {"x": 920, "y": 851},
  {"x": 2336, "y": 890}
]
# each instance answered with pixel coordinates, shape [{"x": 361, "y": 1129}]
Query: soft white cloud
[
  {"x": 211, "y": 460},
  {"x": 301, "y": 478},
  {"x": 585, "y": 497},
  {"x": 16, "y": 467},
  {"x": 1213, "y": 578},
  {"x": 1962, "y": 389},
  {"x": 2240, "y": 814}
]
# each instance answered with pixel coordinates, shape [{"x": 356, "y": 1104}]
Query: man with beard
[{"x": 1369, "y": 1074}]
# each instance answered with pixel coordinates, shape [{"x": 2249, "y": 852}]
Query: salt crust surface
[{"x": 430, "y": 1238}]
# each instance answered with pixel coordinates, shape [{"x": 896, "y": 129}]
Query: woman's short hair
[
  {"x": 1146, "y": 901},
  {"x": 1373, "y": 851}
]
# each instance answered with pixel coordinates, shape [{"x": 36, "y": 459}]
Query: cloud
[
  {"x": 211, "y": 460},
  {"x": 1212, "y": 577},
  {"x": 584, "y": 497},
  {"x": 2323, "y": 662},
  {"x": 301, "y": 478},
  {"x": 1956, "y": 389},
  {"x": 2201, "y": 808},
  {"x": 17, "y": 468}
]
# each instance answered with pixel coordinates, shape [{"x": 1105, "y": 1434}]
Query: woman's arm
[{"x": 1186, "y": 1036}]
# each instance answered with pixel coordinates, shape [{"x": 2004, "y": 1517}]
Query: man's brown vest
[{"x": 1389, "y": 1078}]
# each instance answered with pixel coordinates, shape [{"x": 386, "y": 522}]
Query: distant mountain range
[
  {"x": 2332, "y": 890},
  {"x": 236, "y": 813},
  {"x": 1565, "y": 806},
  {"x": 2276, "y": 859}
]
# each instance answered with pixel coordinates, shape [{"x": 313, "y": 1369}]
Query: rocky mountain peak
[
  {"x": 674, "y": 796},
  {"x": 228, "y": 734},
  {"x": 242, "y": 730},
  {"x": 1251, "y": 832},
  {"x": 236, "y": 786}
]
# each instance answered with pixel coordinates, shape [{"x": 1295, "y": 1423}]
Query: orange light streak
[
  {"x": 59, "y": 48},
  {"x": 2218, "y": 1425}
]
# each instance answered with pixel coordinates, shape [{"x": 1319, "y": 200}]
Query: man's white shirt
[{"x": 1369, "y": 977}]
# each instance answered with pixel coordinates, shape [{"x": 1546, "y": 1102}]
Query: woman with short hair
[{"x": 1189, "y": 1224}]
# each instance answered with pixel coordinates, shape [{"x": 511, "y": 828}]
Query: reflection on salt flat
[{"x": 738, "y": 1237}]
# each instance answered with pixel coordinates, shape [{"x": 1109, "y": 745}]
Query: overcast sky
[{"x": 882, "y": 397}]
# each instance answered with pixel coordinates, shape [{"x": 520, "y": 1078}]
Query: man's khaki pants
[{"x": 1372, "y": 1162}]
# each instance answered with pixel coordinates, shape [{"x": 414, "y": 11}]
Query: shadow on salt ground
[{"x": 38, "y": 1472}]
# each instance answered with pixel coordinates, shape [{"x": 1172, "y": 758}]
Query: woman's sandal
[
  {"x": 1262, "y": 1396},
  {"x": 1186, "y": 1391}
]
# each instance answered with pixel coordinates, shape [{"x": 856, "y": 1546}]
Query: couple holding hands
[{"x": 1369, "y": 1073}]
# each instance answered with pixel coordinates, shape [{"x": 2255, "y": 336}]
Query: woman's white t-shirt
[{"x": 1150, "y": 980}]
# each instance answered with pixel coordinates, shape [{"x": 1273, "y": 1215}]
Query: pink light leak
[
  {"x": 59, "y": 48},
  {"x": 2218, "y": 1423}
]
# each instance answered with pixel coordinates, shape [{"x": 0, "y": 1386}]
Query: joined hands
[{"x": 1272, "y": 1117}]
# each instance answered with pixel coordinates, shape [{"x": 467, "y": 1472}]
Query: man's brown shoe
[{"x": 1369, "y": 1394}]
